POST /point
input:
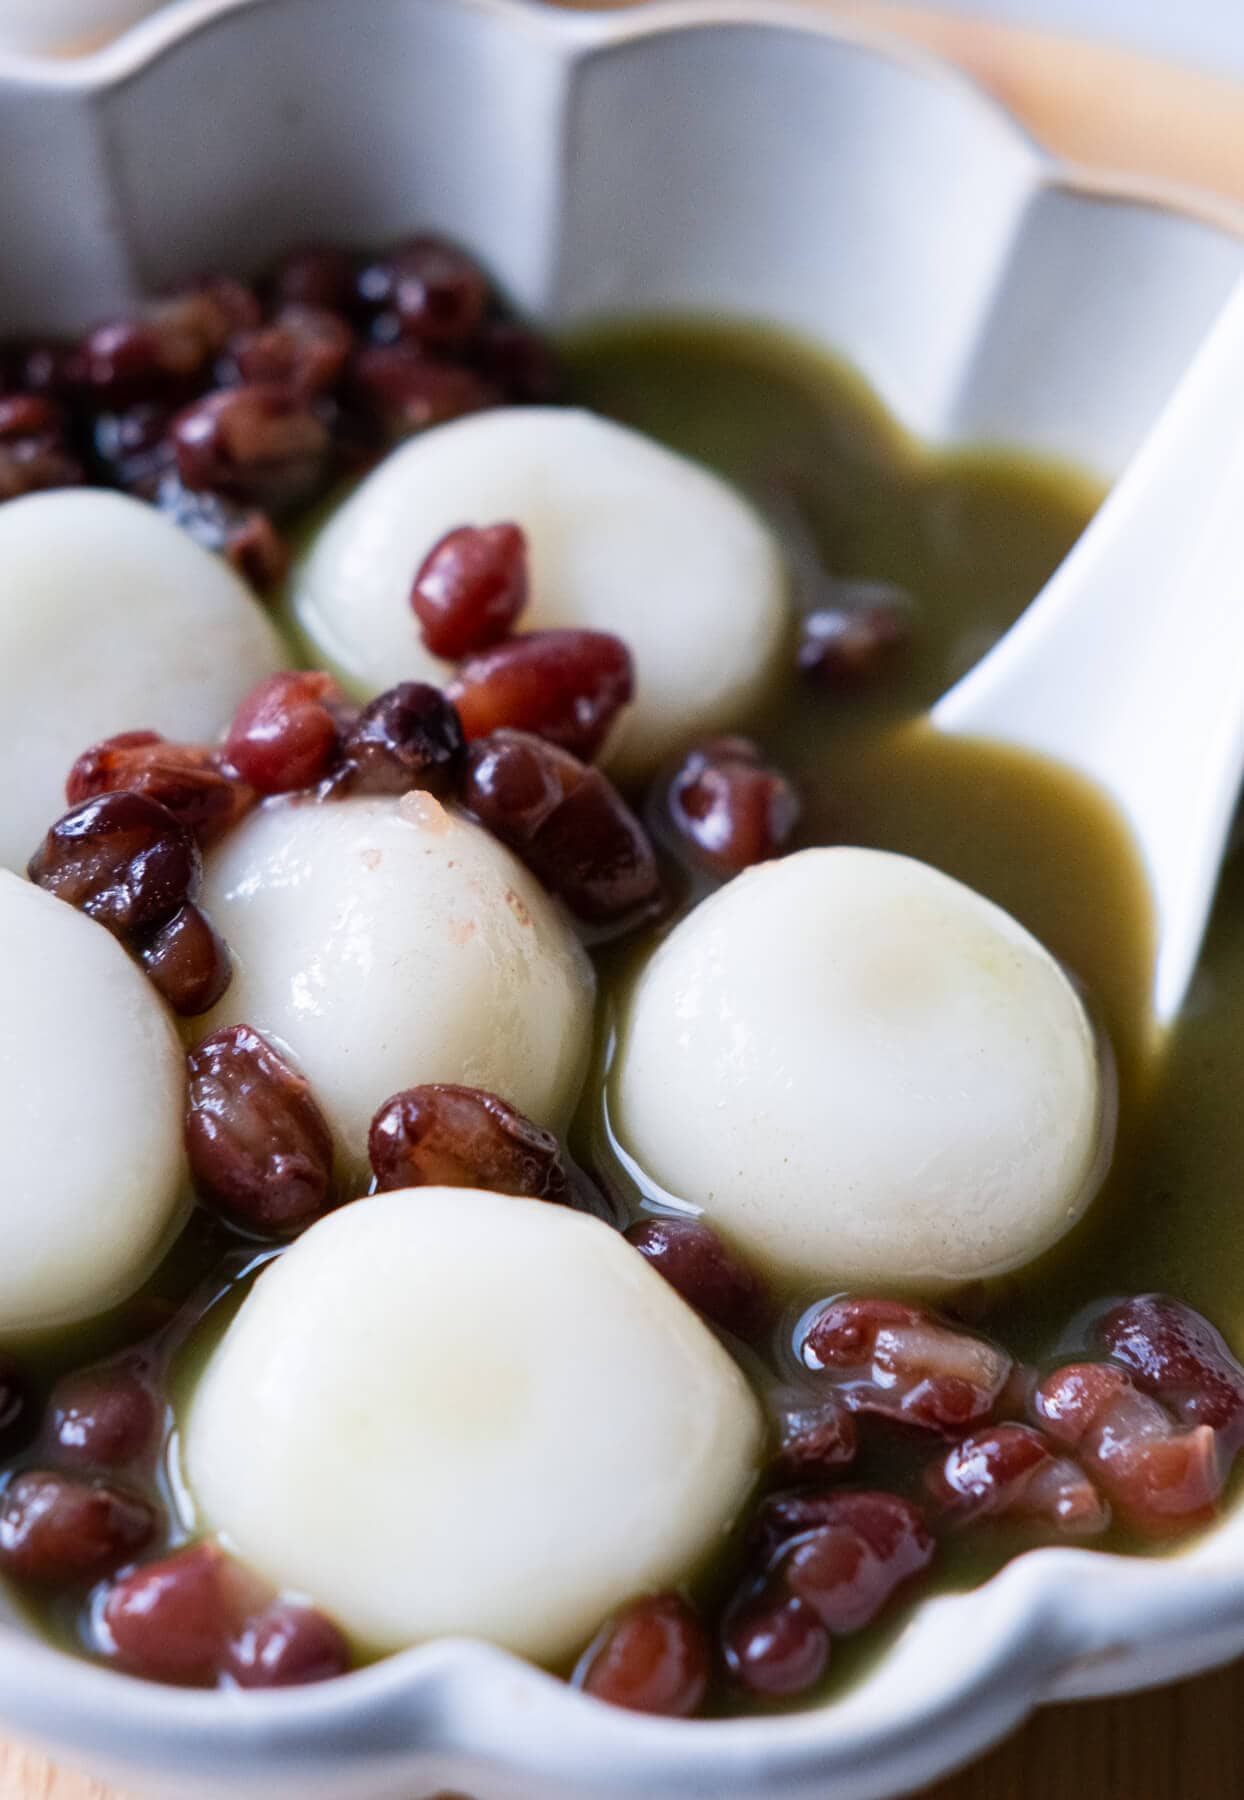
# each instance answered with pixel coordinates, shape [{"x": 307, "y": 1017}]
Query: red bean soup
[{"x": 913, "y": 1437}]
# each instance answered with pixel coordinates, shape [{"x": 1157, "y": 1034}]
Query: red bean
[
  {"x": 58, "y": 1531},
  {"x": 286, "y": 734},
  {"x": 122, "y": 858},
  {"x": 568, "y": 824},
  {"x": 406, "y": 738},
  {"x": 34, "y": 451},
  {"x": 1170, "y": 1351},
  {"x": 866, "y": 1547},
  {"x": 1161, "y": 1478},
  {"x": 317, "y": 275},
  {"x": 304, "y": 348},
  {"x": 435, "y": 295},
  {"x": 51, "y": 368},
  {"x": 404, "y": 391},
  {"x": 255, "y": 550},
  {"x": 174, "y": 1619},
  {"x": 16, "y": 1405},
  {"x": 286, "y": 1646},
  {"x": 470, "y": 589},
  {"x": 106, "y": 1417},
  {"x": 259, "y": 1147},
  {"x": 888, "y": 1358},
  {"x": 731, "y": 809},
  {"x": 699, "y": 1264},
  {"x": 655, "y": 1657},
  {"x": 260, "y": 444},
  {"x": 814, "y": 1440},
  {"x": 565, "y": 686},
  {"x": 774, "y": 1644},
  {"x": 134, "y": 359},
  {"x": 445, "y": 1136},
  {"x": 188, "y": 779},
  {"x": 849, "y": 645},
  {"x": 1014, "y": 1471},
  {"x": 188, "y": 962},
  {"x": 518, "y": 362}
]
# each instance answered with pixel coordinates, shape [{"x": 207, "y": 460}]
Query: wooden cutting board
[{"x": 1122, "y": 114}]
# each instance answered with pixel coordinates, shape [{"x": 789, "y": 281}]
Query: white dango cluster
[
  {"x": 863, "y": 1072},
  {"x": 451, "y": 1411},
  {"x": 623, "y": 536}
]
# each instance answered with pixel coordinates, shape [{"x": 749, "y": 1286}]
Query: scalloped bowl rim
[{"x": 1053, "y": 1622}]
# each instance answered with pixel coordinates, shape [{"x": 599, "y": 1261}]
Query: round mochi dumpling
[
  {"x": 623, "y": 536},
  {"x": 111, "y": 619},
  {"x": 386, "y": 942},
  {"x": 863, "y": 1072},
  {"x": 449, "y": 1411},
  {"x": 92, "y": 1090}
]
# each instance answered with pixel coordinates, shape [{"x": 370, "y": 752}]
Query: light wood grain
[{"x": 1135, "y": 117}]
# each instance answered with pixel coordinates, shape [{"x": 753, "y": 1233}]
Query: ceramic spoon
[{"x": 1129, "y": 666}]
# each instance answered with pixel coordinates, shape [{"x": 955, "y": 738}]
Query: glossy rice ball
[
  {"x": 111, "y": 619},
  {"x": 91, "y": 1094},
  {"x": 863, "y": 1072},
  {"x": 449, "y": 1411},
  {"x": 623, "y": 535},
  {"x": 384, "y": 942}
]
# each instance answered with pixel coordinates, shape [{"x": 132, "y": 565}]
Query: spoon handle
[{"x": 1129, "y": 666}]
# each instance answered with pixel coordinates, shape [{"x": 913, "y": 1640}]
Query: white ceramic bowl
[{"x": 736, "y": 159}]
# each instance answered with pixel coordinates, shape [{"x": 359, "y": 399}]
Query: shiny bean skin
[
  {"x": 121, "y": 858},
  {"x": 882, "y": 1356},
  {"x": 107, "y": 1417},
  {"x": 699, "y": 1264},
  {"x": 565, "y": 686},
  {"x": 655, "y": 1657},
  {"x": 259, "y": 1147},
  {"x": 471, "y": 588},
  {"x": 440, "y": 1135},
  {"x": 286, "y": 1646},
  {"x": 61, "y": 1531}
]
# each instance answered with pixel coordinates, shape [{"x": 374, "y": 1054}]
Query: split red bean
[
  {"x": 570, "y": 826},
  {"x": 122, "y": 858},
  {"x": 60, "y": 1531},
  {"x": 1170, "y": 1351},
  {"x": 884, "y": 1357},
  {"x": 259, "y": 1147},
  {"x": 470, "y": 589},
  {"x": 730, "y": 808},
  {"x": 699, "y": 1264},
  {"x": 409, "y": 737},
  {"x": 107, "y": 1417},
  {"x": 655, "y": 1657},
  {"x": 1014, "y": 1471},
  {"x": 188, "y": 779},
  {"x": 445, "y": 1136},
  {"x": 286, "y": 1646},
  {"x": 286, "y": 734},
  {"x": 259, "y": 443},
  {"x": 564, "y": 686},
  {"x": 1161, "y": 1477}
]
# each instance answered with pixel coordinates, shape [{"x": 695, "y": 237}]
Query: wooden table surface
[{"x": 1129, "y": 115}]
